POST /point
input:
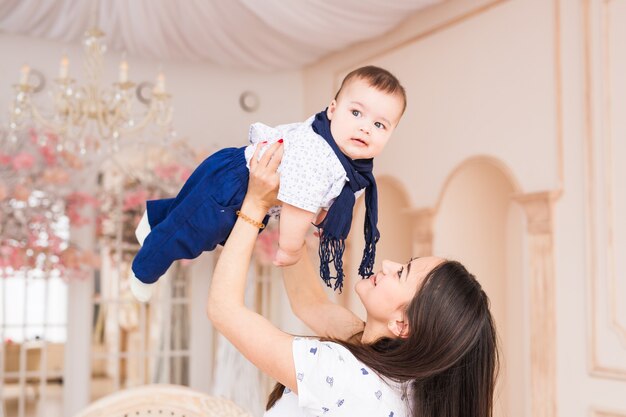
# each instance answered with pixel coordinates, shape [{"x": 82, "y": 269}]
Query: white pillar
[
  {"x": 77, "y": 358},
  {"x": 201, "y": 350},
  {"x": 539, "y": 213}
]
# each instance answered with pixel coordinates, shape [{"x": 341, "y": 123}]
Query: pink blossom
[
  {"x": 3, "y": 191},
  {"x": 90, "y": 259},
  {"x": 5, "y": 251},
  {"x": 69, "y": 258},
  {"x": 21, "y": 192},
  {"x": 184, "y": 174},
  {"x": 75, "y": 201},
  {"x": 32, "y": 239},
  {"x": 5, "y": 159},
  {"x": 55, "y": 243},
  {"x": 166, "y": 172},
  {"x": 76, "y": 219},
  {"x": 34, "y": 137},
  {"x": 12, "y": 257},
  {"x": 48, "y": 154},
  {"x": 73, "y": 161},
  {"x": 22, "y": 161},
  {"x": 56, "y": 176},
  {"x": 53, "y": 139},
  {"x": 134, "y": 199},
  {"x": 81, "y": 199}
]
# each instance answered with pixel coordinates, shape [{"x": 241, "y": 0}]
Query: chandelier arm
[
  {"x": 169, "y": 117},
  {"x": 111, "y": 112},
  {"x": 59, "y": 129},
  {"x": 141, "y": 125},
  {"x": 105, "y": 130}
]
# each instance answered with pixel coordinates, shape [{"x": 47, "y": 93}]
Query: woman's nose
[{"x": 390, "y": 266}]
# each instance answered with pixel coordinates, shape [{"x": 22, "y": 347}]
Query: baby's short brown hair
[{"x": 376, "y": 77}]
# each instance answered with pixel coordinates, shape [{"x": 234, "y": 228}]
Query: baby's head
[{"x": 366, "y": 111}]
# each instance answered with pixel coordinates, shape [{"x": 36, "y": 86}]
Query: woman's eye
[
  {"x": 379, "y": 125},
  {"x": 400, "y": 272},
  {"x": 356, "y": 113}
]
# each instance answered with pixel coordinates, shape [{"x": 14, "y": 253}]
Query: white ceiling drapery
[{"x": 256, "y": 34}]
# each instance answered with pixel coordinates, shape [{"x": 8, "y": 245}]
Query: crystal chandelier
[{"x": 91, "y": 117}]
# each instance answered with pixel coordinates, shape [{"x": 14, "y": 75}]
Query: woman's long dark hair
[{"x": 449, "y": 359}]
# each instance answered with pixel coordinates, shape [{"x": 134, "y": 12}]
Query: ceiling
[{"x": 252, "y": 34}]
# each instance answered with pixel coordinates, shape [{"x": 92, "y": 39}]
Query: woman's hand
[{"x": 264, "y": 180}]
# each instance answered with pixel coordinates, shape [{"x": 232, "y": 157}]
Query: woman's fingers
[
  {"x": 277, "y": 156},
  {"x": 269, "y": 154},
  {"x": 264, "y": 180},
  {"x": 255, "y": 157}
]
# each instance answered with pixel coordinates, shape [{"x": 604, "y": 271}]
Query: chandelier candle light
[{"x": 91, "y": 117}]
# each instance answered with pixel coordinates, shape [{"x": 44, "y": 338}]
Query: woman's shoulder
[
  {"x": 330, "y": 377},
  {"x": 364, "y": 380}
]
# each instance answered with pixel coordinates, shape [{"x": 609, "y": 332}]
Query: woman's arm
[
  {"x": 310, "y": 303},
  {"x": 255, "y": 337}
]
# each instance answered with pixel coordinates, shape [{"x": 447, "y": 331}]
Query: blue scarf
[{"x": 335, "y": 227}]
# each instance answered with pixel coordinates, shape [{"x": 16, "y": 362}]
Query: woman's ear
[
  {"x": 399, "y": 328},
  {"x": 332, "y": 107}
]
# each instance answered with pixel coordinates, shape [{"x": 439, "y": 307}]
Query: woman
[{"x": 426, "y": 349}]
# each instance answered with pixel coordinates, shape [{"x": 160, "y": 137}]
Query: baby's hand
[
  {"x": 286, "y": 258},
  {"x": 320, "y": 216}
]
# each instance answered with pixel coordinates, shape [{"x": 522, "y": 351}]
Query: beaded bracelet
[{"x": 249, "y": 220}]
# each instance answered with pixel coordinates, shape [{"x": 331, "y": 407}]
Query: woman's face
[{"x": 393, "y": 287}]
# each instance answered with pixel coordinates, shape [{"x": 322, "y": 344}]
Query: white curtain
[{"x": 255, "y": 34}]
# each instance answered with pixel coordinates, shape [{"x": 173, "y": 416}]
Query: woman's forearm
[
  {"x": 229, "y": 278},
  {"x": 311, "y": 304}
]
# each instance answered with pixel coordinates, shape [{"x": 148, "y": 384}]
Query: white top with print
[
  {"x": 332, "y": 382},
  {"x": 311, "y": 175}
]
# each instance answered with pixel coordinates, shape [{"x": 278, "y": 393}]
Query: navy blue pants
[{"x": 198, "y": 219}]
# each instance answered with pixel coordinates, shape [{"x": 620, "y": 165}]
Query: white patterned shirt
[
  {"x": 311, "y": 175},
  {"x": 332, "y": 382}
]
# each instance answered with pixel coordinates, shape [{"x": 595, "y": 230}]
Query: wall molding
[
  {"x": 599, "y": 185},
  {"x": 605, "y": 413},
  {"x": 539, "y": 208}
]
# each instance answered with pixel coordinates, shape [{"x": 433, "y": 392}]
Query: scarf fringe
[
  {"x": 372, "y": 236},
  {"x": 331, "y": 250},
  {"x": 366, "y": 269}
]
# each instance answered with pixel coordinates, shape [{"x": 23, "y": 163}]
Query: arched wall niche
[
  {"x": 477, "y": 222},
  {"x": 499, "y": 167}
]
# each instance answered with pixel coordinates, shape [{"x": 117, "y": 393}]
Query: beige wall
[{"x": 537, "y": 88}]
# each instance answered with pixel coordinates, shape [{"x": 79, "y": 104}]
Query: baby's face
[{"x": 363, "y": 119}]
